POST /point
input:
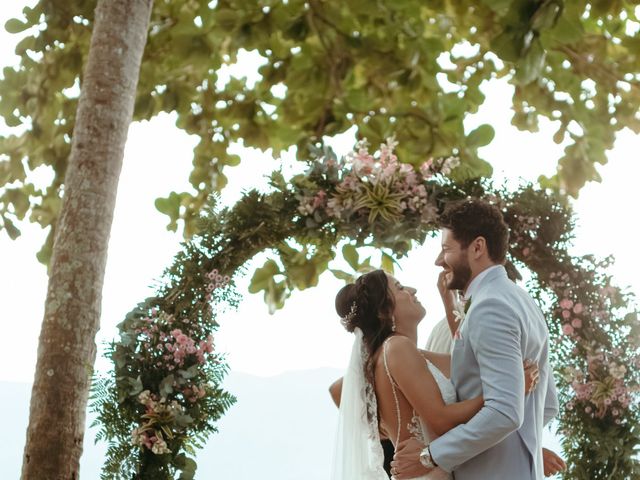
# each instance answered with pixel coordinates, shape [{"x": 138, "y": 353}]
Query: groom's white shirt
[{"x": 503, "y": 326}]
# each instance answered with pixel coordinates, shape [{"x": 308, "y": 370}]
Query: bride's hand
[{"x": 531, "y": 376}]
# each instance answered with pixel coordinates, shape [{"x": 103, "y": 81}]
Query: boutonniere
[{"x": 467, "y": 305}]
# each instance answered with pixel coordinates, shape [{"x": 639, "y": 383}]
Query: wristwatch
[{"x": 426, "y": 459}]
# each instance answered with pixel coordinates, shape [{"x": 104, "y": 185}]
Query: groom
[{"x": 502, "y": 328}]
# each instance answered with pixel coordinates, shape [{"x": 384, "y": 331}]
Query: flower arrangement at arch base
[
  {"x": 165, "y": 393},
  {"x": 163, "y": 397}
]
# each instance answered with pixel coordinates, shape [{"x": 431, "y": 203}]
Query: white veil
[{"x": 358, "y": 453}]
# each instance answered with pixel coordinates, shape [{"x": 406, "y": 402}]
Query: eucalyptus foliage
[{"x": 412, "y": 67}]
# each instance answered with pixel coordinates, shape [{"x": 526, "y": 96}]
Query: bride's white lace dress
[
  {"x": 417, "y": 427},
  {"x": 358, "y": 453},
  {"x": 420, "y": 430}
]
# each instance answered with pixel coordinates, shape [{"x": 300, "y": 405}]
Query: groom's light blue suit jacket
[{"x": 502, "y": 441}]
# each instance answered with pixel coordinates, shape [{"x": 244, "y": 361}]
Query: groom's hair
[{"x": 473, "y": 218}]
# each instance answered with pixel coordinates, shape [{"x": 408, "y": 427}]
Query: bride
[{"x": 391, "y": 387}]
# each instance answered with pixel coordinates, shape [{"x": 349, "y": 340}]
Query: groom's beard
[{"x": 461, "y": 274}]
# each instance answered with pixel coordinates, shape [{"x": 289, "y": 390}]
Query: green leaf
[
  {"x": 263, "y": 276},
  {"x": 186, "y": 465},
  {"x": 275, "y": 295},
  {"x": 341, "y": 275},
  {"x": 388, "y": 263},
  {"x": 135, "y": 385},
  {"x": 481, "y": 136},
  {"x": 190, "y": 372},
  {"x": 508, "y": 45},
  {"x": 530, "y": 67},
  {"x": 183, "y": 420},
  {"x": 171, "y": 206},
  {"x": 12, "y": 230},
  {"x": 546, "y": 16},
  {"x": 13, "y": 25},
  {"x": 350, "y": 254},
  {"x": 166, "y": 386},
  {"x": 500, "y": 7}
]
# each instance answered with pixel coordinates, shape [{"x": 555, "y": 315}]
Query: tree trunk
[{"x": 67, "y": 349}]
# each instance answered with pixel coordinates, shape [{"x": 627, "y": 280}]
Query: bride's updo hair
[{"x": 368, "y": 304}]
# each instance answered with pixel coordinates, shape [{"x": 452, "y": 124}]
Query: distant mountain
[{"x": 282, "y": 428}]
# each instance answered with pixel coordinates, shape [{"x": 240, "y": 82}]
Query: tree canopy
[{"x": 408, "y": 67}]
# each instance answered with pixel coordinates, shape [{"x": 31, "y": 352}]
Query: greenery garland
[{"x": 163, "y": 397}]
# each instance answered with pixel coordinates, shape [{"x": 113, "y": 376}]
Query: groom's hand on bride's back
[
  {"x": 552, "y": 462},
  {"x": 531, "y": 376},
  {"x": 406, "y": 461}
]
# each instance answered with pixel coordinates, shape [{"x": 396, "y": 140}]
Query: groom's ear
[{"x": 478, "y": 247}]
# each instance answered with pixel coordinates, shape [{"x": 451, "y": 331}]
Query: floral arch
[{"x": 163, "y": 397}]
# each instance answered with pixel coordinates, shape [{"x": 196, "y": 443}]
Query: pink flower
[
  {"x": 578, "y": 308},
  {"x": 526, "y": 251},
  {"x": 566, "y": 304},
  {"x": 319, "y": 199},
  {"x": 566, "y": 314},
  {"x": 567, "y": 329},
  {"x": 576, "y": 323},
  {"x": 426, "y": 169}
]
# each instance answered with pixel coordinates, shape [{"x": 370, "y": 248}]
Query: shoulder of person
[
  {"x": 400, "y": 343},
  {"x": 399, "y": 349}
]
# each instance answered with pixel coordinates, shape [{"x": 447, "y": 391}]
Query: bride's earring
[{"x": 393, "y": 323}]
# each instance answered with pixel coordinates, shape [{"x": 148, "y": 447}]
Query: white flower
[
  {"x": 617, "y": 371},
  {"x": 159, "y": 447},
  {"x": 136, "y": 437},
  {"x": 449, "y": 164},
  {"x": 145, "y": 397}
]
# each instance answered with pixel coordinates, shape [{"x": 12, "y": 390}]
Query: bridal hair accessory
[{"x": 348, "y": 318}]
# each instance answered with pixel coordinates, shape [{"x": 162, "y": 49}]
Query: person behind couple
[
  {"x": 386, "y": 314},
  {"x": 502, "y": 327}
]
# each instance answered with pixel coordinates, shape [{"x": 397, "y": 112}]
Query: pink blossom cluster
[
  {"x": 168, "y": 347},
  {"x": 602, "y": 390},
  {"x": 150, "y": 439},
  {"x": 192, "y": 393},
  {"x": 151, "y": 330},
  {"x": 308, "y": 205},
  {"x": 157, "y": 411},
  {"x": 216, "y": 280},
  {"x": 571, "y": 316},
  {"x": 180, "y": 345},
  {"x": 376, "y": 170}
]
